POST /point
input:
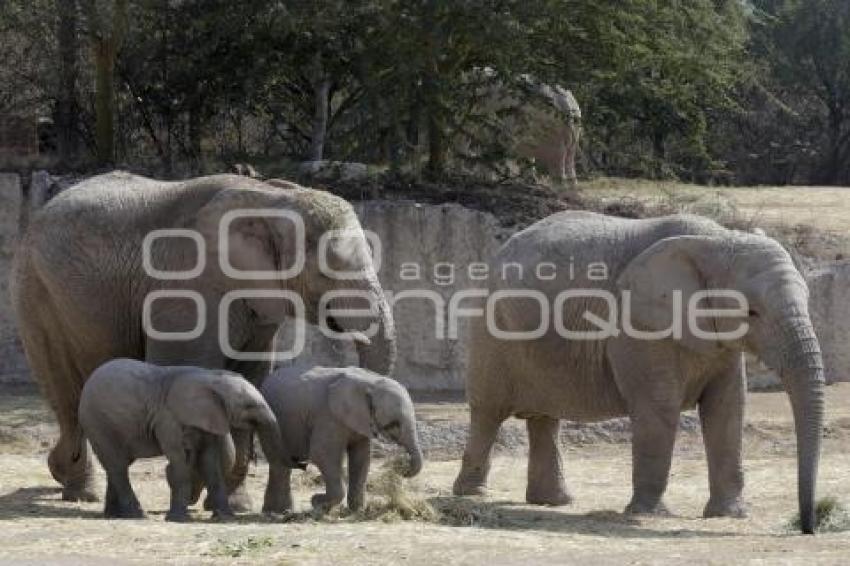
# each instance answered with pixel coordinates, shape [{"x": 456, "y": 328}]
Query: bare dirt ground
[{"x": 36, "y": 527}]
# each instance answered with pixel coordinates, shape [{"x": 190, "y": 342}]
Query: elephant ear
[
  {"x": 194, "y": 401},
  {"x": 679, "y": 263},
  {"x": 261, "y": 244},
  {"x": 262, "y": 229},
  {"x": 350, "y": 402}
]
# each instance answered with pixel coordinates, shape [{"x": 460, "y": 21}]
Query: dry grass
[
  {"x": 831, "y": 516},
  {"x": 815, "y": 219},
  {"x": 499, "y": 529}
]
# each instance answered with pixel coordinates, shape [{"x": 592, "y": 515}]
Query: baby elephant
[
  {"x": 130, "y": 409},
  {"x": 327, "y": 412}
]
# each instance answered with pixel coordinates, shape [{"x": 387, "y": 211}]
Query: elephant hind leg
[
  {"x": 243, "y": 444},
  {"x": 121, "y": 501},
  {"x": 546, "y": 485},
  {"x": 484, "y": 426},
  {"x": 53, "y": 368}
]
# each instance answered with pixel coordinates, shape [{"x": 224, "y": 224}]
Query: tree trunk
[
  {"x": 104, "y": 57},
  {"x": 321, "y": 94},
  {"x": 195, "y": 137},
  {"x": 106, "y": 40},
  {"x": 67, "y": 106},
  {"x": 658, "y": 152},
  {"x": 832, "y": 170},
  {"x": 436, "y": 146}
]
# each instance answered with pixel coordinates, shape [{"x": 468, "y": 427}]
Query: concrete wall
[
  {"x": 830, "y": 309},
  {"x": 13, "y": 366},
  {"x": 428, "y": 236},
  {"x": 425, "y": 248}
]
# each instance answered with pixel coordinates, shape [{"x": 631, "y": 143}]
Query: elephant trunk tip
[{"x": 414, "y": 465}]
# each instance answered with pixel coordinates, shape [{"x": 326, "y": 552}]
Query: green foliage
[
  {"x": 673, "y": 66},
  {"x": 704, "y": 90},
  {"x": 807, "y": 48}
]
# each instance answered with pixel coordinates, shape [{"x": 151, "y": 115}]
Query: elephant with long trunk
[
  {"x": 599, "y": 317},
  {"x": 101, "y": 273}
]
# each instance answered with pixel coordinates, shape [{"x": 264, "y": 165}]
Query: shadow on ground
[
  {"x": 513, "y": 516},
  {"x": 40, "y": 503}
]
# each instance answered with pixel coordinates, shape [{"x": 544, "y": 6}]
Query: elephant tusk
[{"x": 359, "y": 338}]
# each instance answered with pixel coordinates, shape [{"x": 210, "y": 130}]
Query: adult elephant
[
  {"x": 636, "y": 268},
  {"x": 81, "y": 285}
]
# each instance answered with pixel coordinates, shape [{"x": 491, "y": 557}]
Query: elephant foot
[
  {"x": 279, "y": 505},
  {"x": 124, "y": 513},
  {"x": 324, "y": 502},
  {"x": 469, "y": 486},
  {"x": 223, "y": 515},
  {"x": 177, "y": 516},
  {"x": 548, "y": 496},
  {"x": 640, "y": 507},
  {"x": 356, "y": 503},
  {"x": 239, "y": 500},
  {"x": 734, "y": 508},
  {"x": 79, "y": 493}
]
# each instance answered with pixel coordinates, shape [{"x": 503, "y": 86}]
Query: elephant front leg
[
  {"x": 721, "y": 411},
  {"x": 546, "y": 485},
  {"x": 654, "y": 429},
  {"x": 180, "y": 481},
  {"x": 649, "y": 377},
  {"x": 278, "y": 498},
  {"x": 329, "y": 462},
  {"x": 483, "y": 428},
  {"x": 359, "y": 456}
]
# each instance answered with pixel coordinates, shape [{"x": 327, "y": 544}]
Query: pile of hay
[
  {"x": 831, "y": 516},
  {"x": 388, "y": 500}
]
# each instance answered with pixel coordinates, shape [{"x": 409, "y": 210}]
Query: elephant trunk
[
  {"x": 802, "y": 373},
  {"x": 410, "y": 441},
  {"x": 380, "y": 354},
  {"x": 268, "y": 433}
]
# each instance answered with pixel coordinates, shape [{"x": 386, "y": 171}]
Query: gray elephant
[
  {"x": 326, "y": 413},
  {"x": 598, "y": 265},
  {"x": 83, "y": 286},
  {"x": 130, "y": 410}
]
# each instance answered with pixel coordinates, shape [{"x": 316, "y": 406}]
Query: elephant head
[
  {"x": 776, "y": 312},
  {"x": 263, "y": 239},
  {"x": 223, "y": 401},
  {"x": 378, "y": 407}
]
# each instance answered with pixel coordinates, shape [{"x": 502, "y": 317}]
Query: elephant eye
[{"x": 752, "y": 314}]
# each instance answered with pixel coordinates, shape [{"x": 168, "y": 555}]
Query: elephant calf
[
  {"x": 131, "y": 409},
  {"x": 324, "y": 413}
]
